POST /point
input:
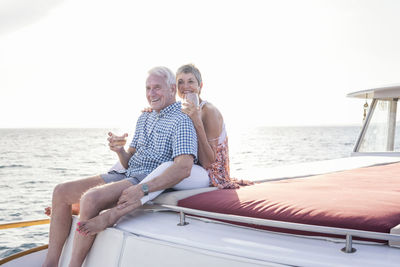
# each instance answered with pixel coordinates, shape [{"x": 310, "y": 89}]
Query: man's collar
[{"x": 168, "y": 109}]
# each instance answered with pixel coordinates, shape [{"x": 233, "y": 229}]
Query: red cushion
[{"x": 363, "y": 199}]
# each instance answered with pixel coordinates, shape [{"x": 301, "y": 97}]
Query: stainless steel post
[
  {"x": 182, "y": 221},
  {"x": 349, "y": 243}
]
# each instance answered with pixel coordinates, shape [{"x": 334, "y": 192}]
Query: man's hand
[
  {"x": 115, "y": 142},
  {"x": 130, "y": 196}
]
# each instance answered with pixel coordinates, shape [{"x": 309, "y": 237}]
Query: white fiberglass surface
[
  {"x": 254, "y": 244},
  {"x": 35, "y": 259}
]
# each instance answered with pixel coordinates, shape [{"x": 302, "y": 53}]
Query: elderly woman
[{"x": 213, "y": 151}]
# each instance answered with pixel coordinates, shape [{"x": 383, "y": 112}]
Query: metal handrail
[{"x": 349, "y": 233}]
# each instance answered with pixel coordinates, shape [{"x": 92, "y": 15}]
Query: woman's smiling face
[{"x": 187, "y": 83}]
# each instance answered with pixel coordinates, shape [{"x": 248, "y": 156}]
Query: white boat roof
[{"x": 387, "y": 92}]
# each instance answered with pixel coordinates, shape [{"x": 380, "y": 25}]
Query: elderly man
[{"x": 160, "y": 156}]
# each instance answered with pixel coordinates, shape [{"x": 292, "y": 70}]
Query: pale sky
[{"x": 275, "y": 63}]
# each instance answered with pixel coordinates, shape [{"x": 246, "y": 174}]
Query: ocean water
[{"x": 33, "y": 161}]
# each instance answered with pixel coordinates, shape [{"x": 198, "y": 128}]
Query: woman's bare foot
[
  {"x": 47, "y": 211},
  {"x": 75, "y": 209}
]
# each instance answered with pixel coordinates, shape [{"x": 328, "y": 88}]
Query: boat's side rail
[
  {"x": 23, "y": 223},
  {"x": 349, "y": 233},
  {"x": 18, "y": 224}
]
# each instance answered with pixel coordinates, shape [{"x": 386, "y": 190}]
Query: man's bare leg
[
  {"x": 92, "y": 202},
  {"x": 64, "y": 195},
  {"x": 105, "y": 219}
]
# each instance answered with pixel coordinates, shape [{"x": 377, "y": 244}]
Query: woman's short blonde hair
[{"x": 190, "y": 68}]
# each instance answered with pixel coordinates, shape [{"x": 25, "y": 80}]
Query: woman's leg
[
  {"x": 92, "y": 203},
  {"x": 198, "y": 179},
  {"x": 64, "y": 195}
]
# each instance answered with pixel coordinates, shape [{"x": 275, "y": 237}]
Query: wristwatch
[{"x": 145, "y": 189}]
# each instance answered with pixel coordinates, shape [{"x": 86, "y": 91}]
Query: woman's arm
[
  {"x": 208, "y": 132},
  {"x": 208, "y": 124}
]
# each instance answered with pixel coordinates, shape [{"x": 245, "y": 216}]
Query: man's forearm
[{"x": 124, "y": 157}]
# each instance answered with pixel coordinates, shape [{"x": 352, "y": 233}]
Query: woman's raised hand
[
  {"x": 191, "y": 108},
  {"x": 148, "y": 109}
]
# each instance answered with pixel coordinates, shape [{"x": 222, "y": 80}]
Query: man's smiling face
[{"x": 158, "y": 93}]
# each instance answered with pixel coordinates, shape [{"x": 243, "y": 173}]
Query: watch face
[{"x": 145, "y": 189}]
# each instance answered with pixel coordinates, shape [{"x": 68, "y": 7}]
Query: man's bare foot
[
  {"x": 105, "y": 219},
  {"x": 96, "y": 224}
]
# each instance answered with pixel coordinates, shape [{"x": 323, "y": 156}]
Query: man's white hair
[{"x": 164, "y": 72}]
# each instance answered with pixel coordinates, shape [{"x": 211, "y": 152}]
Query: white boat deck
[
  {"x": 313, "y": 168},
  {"x": 143, "y": 234},
  {"x": 255, "y": 245}
]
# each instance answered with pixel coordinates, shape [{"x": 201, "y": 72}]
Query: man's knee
[
  {"x": 61, "y": 191},
  {"x": 90, "y": 201},
  {"x": 70, "y": 192}
]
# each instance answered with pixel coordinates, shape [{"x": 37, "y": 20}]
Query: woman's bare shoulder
[
  {"x": 211, "y": 109},
  {"x": 211, "y": 113}
]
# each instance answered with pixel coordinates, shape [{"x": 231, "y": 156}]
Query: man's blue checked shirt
[{"x": 160, "y": 137}]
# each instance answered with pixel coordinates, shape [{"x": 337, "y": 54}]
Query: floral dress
[{"x": 219, "y": 170}]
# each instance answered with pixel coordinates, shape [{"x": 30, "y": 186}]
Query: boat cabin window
[{"x": 381, "y": 131}]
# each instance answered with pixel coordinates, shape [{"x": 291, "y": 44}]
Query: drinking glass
[{"x": 192, "y": 97}]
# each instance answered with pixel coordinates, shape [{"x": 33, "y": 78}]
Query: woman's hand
[
  {"x": 148, "y": 109},
  {"x": 192, "y": 111}
]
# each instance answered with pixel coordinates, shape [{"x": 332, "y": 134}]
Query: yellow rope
[{"x": 23, "y": 224}]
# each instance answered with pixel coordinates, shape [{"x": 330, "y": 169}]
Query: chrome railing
[{"x": 348, "y": 233}]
